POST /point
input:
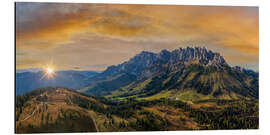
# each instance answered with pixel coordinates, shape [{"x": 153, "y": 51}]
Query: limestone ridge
[
  {"x": 182, "y": 56},
  {"x": 197, "y": 69}
]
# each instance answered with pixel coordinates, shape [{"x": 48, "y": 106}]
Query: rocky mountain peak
[
  {"x": 143, "y": 60},
  {"x": 202, "y": 55},
  {"x": 144, "y": 55}
]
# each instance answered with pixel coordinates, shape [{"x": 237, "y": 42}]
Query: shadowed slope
[{"x": 196, "y": 69}]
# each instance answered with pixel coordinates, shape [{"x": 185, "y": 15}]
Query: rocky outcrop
[{"x": 180, "y": 56}]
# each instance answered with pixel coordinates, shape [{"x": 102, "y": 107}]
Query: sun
[{"x": 50, "y": 70}]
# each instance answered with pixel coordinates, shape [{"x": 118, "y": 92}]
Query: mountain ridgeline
[
  {"x": 197, "y": 72},
  {"x": 28, "y": 81},
  {"x": 183, "y": 89}
]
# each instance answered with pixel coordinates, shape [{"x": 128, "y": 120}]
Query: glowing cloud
[{"x": 103, "y": 34}]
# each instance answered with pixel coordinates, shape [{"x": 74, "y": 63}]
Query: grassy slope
[
  {"x": 69, "y": 111},
  {"x": 196, "y": 83},
  {"x": 56, "y": 114}
]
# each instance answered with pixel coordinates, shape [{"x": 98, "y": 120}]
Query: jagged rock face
[
  {"x": 201, "y": 55},
  {"x": 181, "y": 69},
  {"x": 182, "y": 55},
  {"x": 139, "y": 62},
  {"x": 135, "y": 65},
  {"x": 246, "y": 71}
]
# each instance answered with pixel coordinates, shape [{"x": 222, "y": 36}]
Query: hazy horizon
[{"x": 74, "y": 69}]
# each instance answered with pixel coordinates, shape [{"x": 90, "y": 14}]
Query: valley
[{"x": 185, "y": 89}]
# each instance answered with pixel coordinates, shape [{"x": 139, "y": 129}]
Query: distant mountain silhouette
[
  {"x": 27, "y": 81},
  {"x": 183, "y": 89}
]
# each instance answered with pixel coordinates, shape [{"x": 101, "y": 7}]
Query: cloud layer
[{"x": 93, "y": 36}]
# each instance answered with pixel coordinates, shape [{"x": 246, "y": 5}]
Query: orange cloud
[{"x": 142, "y": 26}]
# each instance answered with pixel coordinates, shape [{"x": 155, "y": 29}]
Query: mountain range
[
  {"x": 27, "y": 80},
  {"x": 184, "y": 89},
  {"x": 197, "y": 72}
]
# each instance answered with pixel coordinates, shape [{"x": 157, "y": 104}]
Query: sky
[{"x": 70, "y": 36}]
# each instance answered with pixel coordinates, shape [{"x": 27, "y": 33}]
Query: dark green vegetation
[
  {"x": 40, "y": 112},
  {"x": 223, "y": 83},
  {"x": 186, "y": 89},
  {"x": 237, "y": 114},
  {"x": 189, "y": 69},
  {"x": 62, "y": 110},
  {"x": 106, "y": 87}
]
